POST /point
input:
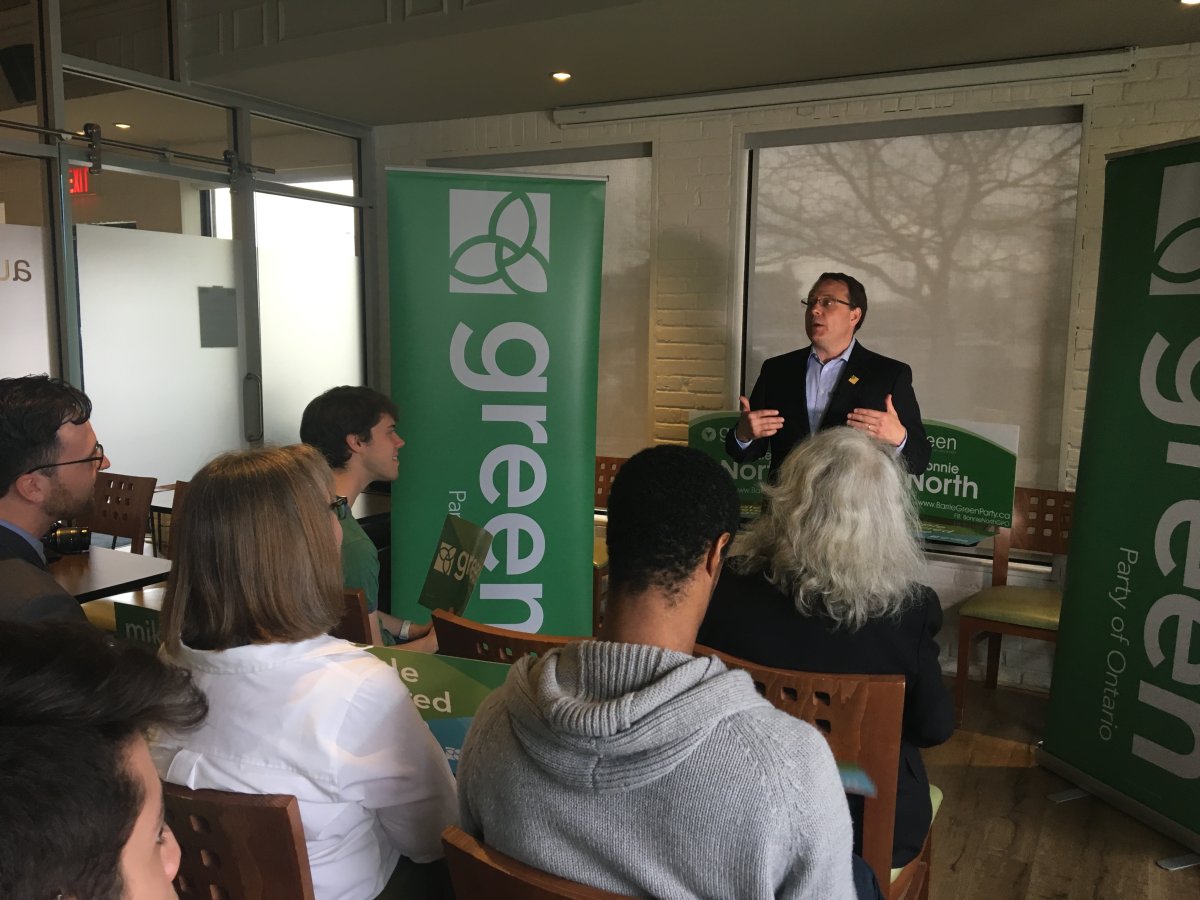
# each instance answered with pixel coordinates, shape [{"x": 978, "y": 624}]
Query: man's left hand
[{"x": 884, "y": 426}]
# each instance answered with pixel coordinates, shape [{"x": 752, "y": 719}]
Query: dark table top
[{"x": 102, "y": 572}]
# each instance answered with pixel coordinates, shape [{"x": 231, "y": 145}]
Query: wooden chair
[
  {"x": 470, "y": 640},
  {"x": 357, "y": 625},
  {"x": 1041, "y": 522},
  {"x": 238, "y": 846},
  {"x": 477, "y": 870},
  {"x": 599, "y": 582},
  {"x": 122, "y": 508},
  {"x": 606, "y": 471},
  {"x": 861, "y": 717},
  {"x": 181, "y": 492}
]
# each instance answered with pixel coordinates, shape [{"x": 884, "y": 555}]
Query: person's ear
[
  {"x": 716, "y": 555},
  {"x": 30, "y": 487},
  {"x": 354, "y": 442}
]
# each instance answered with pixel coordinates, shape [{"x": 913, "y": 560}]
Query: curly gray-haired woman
[{"x": 828, "y": 579}]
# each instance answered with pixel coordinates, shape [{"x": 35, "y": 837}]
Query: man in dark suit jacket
[
  {"x": 834, "y": 381},
  {"x": 49, "y": 459}
]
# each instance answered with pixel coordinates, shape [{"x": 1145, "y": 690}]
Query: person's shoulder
[
  {"x": 798, "y": 357},
  {"x": 864, "y": 356},
  {"x": 30, "y": 593}
]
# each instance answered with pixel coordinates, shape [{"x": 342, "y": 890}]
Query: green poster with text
[
  {"x": 495, "y": 305},
  {"x": 1125, "y": 698},
  {"x": 971, "y": 475},
  {"x": 706, "y": 433}
]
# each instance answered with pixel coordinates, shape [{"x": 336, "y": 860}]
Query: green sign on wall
[
  {"x": 495, "y": 306},
  {"x": 1125, "y": 698}
]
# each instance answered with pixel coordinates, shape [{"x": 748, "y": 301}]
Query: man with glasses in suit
[
  {"x": 834, "y": 381},
  {"x": 49, "y": 459}
]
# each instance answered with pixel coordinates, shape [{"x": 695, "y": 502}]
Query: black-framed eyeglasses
[
  {"x": 340, "y": 507},
  {"x": 96, "y": 457},
  {"x": 826, "y": 303}
]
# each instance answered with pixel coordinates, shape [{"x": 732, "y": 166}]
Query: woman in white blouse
[{"x": 255, "y": 588}]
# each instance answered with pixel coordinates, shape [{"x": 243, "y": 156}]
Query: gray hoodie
[{"x": 649, "y": 772}]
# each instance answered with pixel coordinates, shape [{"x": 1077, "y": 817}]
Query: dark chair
[
  {"x": 478, "y": 871},
  {"x": 238, "y": 846},
  {"x": 357, "y": 625},
  {"x": 122, "y": 508},
  {"x": 470, "y": 640},
  {"x": 1042, "y": 523},
  {"x": 861, "y": 717}
]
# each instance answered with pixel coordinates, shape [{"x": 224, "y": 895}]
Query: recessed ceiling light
[
  {"x": 124, "y": 126},
  {"x": 562, "y": 77}
]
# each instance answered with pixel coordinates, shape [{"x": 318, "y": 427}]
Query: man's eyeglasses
[
  {"x": 96, "y": 457},
  {"x": 826, "y": 303},
  {"x": 340, "y": 507}
]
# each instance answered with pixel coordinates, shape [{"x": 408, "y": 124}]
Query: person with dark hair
[
  {"x": 80, "y": 803},
  {"x": 355, "y": 430},
  {"x": 828, "y": 579},
  {"x": 49, "y": 459},
  {"x": 833, "y": 381},
  {"x": 293, "y": 710},
  {"x": 629, "y": 764}
]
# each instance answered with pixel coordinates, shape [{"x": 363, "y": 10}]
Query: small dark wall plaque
[{"x": 218, "y": 317}]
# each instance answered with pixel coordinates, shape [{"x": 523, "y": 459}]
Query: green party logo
[
  {"x": 499, "y": 242},
  {"x": 1177, "y": 241}
]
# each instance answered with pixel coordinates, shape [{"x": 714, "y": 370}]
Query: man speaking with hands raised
[{"x": 834, "y": 381}]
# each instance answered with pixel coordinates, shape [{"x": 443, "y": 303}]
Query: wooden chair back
[
  {"x": 181, "y": 492},
  {"x": 1041, "y": 522},
  {"x": 470, "y": 640},
  {"x": 122, "y": 507},
  {"x": 238, "y": 846},
  {"x": 861, "y": 717},
  {"x": 357, "y": 625},
  {"x": 477, "y": 870},
  {"x": 606, "y": 471}
]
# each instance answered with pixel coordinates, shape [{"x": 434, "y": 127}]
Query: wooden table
[{"x": 102, "y": 572}]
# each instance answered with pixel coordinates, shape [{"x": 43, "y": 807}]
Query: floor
[{"x": 997, "y": 835}]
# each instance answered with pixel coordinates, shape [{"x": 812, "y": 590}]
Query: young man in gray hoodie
[{"x": 628, "y": 764}]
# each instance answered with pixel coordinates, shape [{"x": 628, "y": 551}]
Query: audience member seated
[
  {"x": 255, "y": 586},
  {"x": 80, "y": 803},
  {"x": 49, "y": 458},
  {"x": 828, "y": 580},
  {"x": 628, "y": 764},
  {"x": 355, "y": 429}
]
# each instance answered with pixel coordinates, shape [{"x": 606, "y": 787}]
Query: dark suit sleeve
[
  {"x": 757, "y": 449},
  {"x": 928, "y": 710},
  {"x": 916, "y": 450}
]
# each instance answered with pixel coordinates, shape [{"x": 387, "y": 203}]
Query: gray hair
[{"x": 840, "y": 532}]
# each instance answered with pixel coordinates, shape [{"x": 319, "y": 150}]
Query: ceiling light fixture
[
  {"x": 564, "y": 77},
  {"x": 1190, "y": 2},
  {"x": 124, "y": 126}
]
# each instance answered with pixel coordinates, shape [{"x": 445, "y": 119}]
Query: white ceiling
[{"x": 658, "y": 48}]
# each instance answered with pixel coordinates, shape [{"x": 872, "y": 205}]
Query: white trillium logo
[
  {"x": 1177, "y": 240},
  {"x": 499, "y": 242}
]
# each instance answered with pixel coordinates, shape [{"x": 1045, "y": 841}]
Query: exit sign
[{"x": 78, "y": 182}]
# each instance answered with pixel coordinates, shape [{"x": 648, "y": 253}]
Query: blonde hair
[
  {"x": 258, "y": 561},
  {"x": 840, "y": 531}
]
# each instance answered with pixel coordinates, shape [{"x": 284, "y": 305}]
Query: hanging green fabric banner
[
  {"x": 1124, "y": 716},
  {"x": 495, "y": 306}
]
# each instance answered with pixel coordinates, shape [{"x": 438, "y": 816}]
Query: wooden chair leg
[
  {"x": 964, "y": 669},
  {"x": 993, "y": 658}
]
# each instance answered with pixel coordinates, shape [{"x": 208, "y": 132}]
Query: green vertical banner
[
  {"x": 1124, "y": 718},
  {"x": 495, "y": 308}
]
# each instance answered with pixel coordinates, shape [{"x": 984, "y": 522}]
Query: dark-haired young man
[
  {"x": 355, "y": 430},
  {"x": 80, "y": 801},
  {"x": 833, "y": 381},
  {"x": 49, "y": 459},
  {"x": 628, "y": 764}
]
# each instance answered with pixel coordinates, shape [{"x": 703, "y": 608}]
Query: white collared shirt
[
  {"x": 336, "y": 728},
  {"x": 820, "y": 378}
]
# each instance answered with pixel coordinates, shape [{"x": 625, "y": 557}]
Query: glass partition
[
  {"x": 26, "y": 295},
  {"x": 132, "y": 34},
  {"x": 304, "y": 157},
  {"x": 18, "y": 74}
]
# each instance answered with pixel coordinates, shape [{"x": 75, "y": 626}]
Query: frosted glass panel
[
  {"x": 309, "y": 304},
  {"x": 963, "y": 242},
  {"x": 164, "y": 405},
  {"x": 623, "y": 389},
  {"x": 24, "y": 301}
]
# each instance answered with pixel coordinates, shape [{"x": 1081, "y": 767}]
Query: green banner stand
[
  {"x": 1124, "y": 717},
  {"x": 706, "y": 433},
  {"x": 446, "y": 690},
  {"x": 495, "y": 306}
]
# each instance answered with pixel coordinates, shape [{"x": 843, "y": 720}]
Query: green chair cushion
[
  {"x": 935, "y": 800},
  {"x": 1032, "y": 607}
]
